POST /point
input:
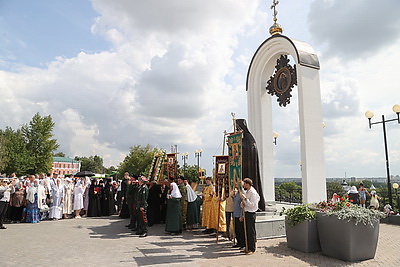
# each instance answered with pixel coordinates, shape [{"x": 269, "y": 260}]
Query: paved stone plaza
[{"x": 107, "y": 242}]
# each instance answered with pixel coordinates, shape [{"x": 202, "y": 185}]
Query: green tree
[
  {"x": 92, "y": 163},
  {"x": 367, "y": 183},
  {"x": 3, "y": 155},
  {"x": 138, "y": 161},
  {"x": 334, "y": 187},
  {"x": 39, "y": 142},
  {"x": 289, "y": 192},
  {"x": 111, "y": 169},
  {"x": 59, "y": 154},
  {"x": 15, "y": 156},
  {"x": 190, "y": 171}
]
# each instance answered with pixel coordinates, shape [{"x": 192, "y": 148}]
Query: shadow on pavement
[
  {"x": 281, "y": 250},
  {"x": 165, "y": 254},
  {"x": 116, "y": 229},
  {"x": 182, "y": 248}
]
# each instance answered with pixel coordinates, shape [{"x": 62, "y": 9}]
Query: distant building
[{"x": 63, "y": 166}]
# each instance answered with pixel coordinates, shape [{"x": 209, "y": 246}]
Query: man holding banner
[{"x": 250, "y": 205}]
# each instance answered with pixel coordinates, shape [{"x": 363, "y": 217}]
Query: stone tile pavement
[{"x": 106, "y": 242}]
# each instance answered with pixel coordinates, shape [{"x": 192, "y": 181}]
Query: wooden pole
[
  {"x": 223, "y": 144},
  {"x": 219, "y": 213}
]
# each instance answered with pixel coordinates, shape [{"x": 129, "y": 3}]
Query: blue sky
[
  {"x": 114, "y": 74},
  {"x": 33, "y": 33}
]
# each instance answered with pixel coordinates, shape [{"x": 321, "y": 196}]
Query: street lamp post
[
  {"x": 275, "y": 136},
  {"x": 396, "y": 187},
  {"x": 197, "y": 154},
  {"x": 184, "y": 158},
  {"x": 369, "y": 114}
]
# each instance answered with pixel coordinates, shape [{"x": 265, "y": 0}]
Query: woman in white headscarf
[
  {"x": 374, "y": 204},
  {"x": 192, "y": 217},
  {"x": 173, "y": 222},
  {"x": 86, "y": 196},
  {"x": 354, "y": 196},
  {"x": 32, "y": 210},
  {"x": 68, "y": 196},
  {"x": 57, "y": 190},
  {"x": 78, "y": 196},
  {"x": 42, "y": 196}
]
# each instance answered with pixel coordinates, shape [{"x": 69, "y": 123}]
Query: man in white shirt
[
  {"x": 6, "y": 189},
  {"x": 250, "y": 205}
]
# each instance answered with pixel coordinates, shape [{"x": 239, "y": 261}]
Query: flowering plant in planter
[
  {"x": 298, "y": 214},
  {"x": 301, "y": 228},
  {"x": 358, "y": 228},
  {"x": 358, "y": 214},
  {"x": 333, "y": 206},
  {"x": 345, "y": 210}
]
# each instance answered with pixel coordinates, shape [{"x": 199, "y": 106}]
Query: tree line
[{"x": 30, "y": 150}]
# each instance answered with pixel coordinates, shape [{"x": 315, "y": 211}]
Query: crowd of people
[
  {"x": 175, "y": 203},
  {"x": 359, "y": 197},
  {"x": 172, "y": 202},
  {"x": 38, "y": 197}
]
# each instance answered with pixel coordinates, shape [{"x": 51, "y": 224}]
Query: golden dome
[{"x": 275, "y": 29}]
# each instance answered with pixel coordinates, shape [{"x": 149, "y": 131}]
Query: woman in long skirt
[
  {"x": 57, "y": 190},
  {"x": 17, "y": 204},
  {"x": 32, "y": 210},
  {"x": 86, "y": 196},
  {"x": 68, "y": 207},
  {"x": 78, "y": 196},
  {"x": 192, "y": 218},
  {"x": 173, "y": 222}
]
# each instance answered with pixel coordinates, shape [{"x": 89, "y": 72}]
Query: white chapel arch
[{"x": 262, "y": 66}]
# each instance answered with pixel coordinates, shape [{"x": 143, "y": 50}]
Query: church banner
[
  {"x": 156, "y": 166},
  {"x": 172, "y": 166},
  {"x": 222, "y": 175},
  {"x": 235, "y": 158}
]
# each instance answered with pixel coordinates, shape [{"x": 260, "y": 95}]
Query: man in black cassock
[
  {"x": 163, "y": 201},
  {"x": 94, "y": 209},
  {"x": 124, "y": 213},
  {"x": 250, "y": 163},
  {"x": 108, "y": 207},
  {"x": 154, "y": 201},
  {"x": 131, "y": 200},
  {"x": 141, "y": 207}
]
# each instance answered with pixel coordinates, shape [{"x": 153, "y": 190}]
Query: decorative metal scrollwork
[{"x": 283, "y": 80}]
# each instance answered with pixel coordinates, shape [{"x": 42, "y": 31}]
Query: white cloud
[
  {"x": 177, "y": 69},
  {"x": 161, "y": 83},
  {"x": 357, "y": 28}
]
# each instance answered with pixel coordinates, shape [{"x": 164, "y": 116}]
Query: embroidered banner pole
[
  {"x": 235, "y": 158},
  {"x": 222, "y": 176}
]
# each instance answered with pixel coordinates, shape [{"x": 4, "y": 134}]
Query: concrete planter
[
  {"x": 346, "y": 241},
  {"x": 392, "y": 219},
  {"x": 303, "y": 236}
]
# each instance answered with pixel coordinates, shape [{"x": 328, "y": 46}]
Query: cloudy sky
[{"x": 113, "y": 74}]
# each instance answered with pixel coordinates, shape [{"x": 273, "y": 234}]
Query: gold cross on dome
[{"x": 273, "y": 6}]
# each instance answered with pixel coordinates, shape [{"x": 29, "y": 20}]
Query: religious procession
[{"x": 225, "y": 205}]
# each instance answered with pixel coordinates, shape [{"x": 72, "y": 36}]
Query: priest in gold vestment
[{"x": 212, "y": 209}]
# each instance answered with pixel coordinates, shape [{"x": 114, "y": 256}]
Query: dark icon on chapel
[{"x": 283, "y": 80}]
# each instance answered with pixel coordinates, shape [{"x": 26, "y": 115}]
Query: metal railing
[{"x": 289, "y": 195}]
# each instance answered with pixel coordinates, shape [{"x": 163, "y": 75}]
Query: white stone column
[{"x": 311, "y": 135}]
